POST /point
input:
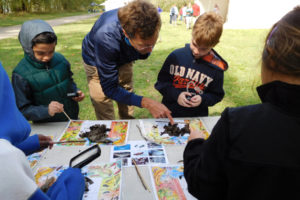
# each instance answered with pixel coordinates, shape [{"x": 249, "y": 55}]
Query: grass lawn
[
  {"x": 19, "y": 18},
  {"x": 241, "y": 48}
]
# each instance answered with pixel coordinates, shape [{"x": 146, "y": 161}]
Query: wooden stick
[
  {"x": 140, "y": 130},
  {"x": 69, "y": 141},
  {"x": 140, "y": 176},
  {"x": 67, "y": 116},
  {"x": 169, "y": 121}
]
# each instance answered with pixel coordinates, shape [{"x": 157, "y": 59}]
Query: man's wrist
[{"x": 145, "y": 102}]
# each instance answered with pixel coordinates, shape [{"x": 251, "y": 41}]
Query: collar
[
  {"x": 36, "y": 63},
  {"x": 282, "y": 95}
]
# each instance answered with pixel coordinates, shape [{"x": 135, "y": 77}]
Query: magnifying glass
[{"x": 85, "y": 157}]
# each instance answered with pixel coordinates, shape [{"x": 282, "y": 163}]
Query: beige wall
[
  {"x": 249, "y": 14},
  {"x": 209, "y": 6}
]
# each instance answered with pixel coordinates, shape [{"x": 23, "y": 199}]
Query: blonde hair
[
  {"x": 282, "y": 46},
  {"x": 140, "y": 16},
  {"x": 208, "y": 29}
]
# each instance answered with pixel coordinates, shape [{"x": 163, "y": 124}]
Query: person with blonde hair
[
  {"x": 117, "y": 39},
  {"x": 253, "y": 151},
  {"x": 191, "y": 78}
]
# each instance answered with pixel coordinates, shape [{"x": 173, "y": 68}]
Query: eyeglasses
[{"x": 139, "y": 47}]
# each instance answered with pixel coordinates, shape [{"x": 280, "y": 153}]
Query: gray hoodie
[{"x": 29, "y": 30}]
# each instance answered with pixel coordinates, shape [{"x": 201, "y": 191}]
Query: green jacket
[{"x": 46, "y": 82}]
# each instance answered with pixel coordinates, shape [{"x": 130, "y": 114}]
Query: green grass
[
  {"x": 19, "y": 18},
  {"x": 240, "y": 48}
]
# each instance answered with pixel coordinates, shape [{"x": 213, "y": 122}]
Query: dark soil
[
  {"x": 88, "y": 182},
  {"x": 174, "y": 130},
  {"x": 97, "y": 133}
]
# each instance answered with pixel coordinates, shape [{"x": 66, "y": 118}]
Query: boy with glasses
[
  {"x": 191, "y": 78},
  {"x": 117, "y": 39}
]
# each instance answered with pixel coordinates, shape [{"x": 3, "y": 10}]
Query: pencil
[
  {"x": 67, "y": 116},
  {"x": 140, "y": 176}
]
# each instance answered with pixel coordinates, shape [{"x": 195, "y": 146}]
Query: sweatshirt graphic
[{"x": 203, "y": 76}]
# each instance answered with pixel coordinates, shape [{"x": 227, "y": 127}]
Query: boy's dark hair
[
  {"x": 282, "y": 46},
  {"x": 44, "y": 38}
]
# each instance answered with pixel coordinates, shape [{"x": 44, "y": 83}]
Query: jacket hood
[
  {"x": 14, "y": 127},
  {"x": 29, "y": 30}
]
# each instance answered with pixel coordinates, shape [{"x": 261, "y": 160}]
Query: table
[{"x": 131, "y": 187}]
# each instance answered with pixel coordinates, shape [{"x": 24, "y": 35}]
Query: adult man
[{"x": 118, "y": 38}]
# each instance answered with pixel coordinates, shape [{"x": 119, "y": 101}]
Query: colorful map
[
  {"x": 169, "y": 183},
  {"x": 34, "y": 159},
  {"x": 106, "y": 179},
  {"x": 118, "y": 133},
  {"x": 152, "y": 129}
]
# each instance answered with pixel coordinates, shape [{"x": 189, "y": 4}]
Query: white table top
[{"x": 131, "y": 188}]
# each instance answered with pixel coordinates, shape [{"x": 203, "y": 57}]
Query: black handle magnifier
[{"x": 85, "y": 157}]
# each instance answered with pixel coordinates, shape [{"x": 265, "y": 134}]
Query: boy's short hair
[
  {"x": 140, "y": 16},
  {"x": 208, "y": 29},
  {"x": 44, "y": 38}
]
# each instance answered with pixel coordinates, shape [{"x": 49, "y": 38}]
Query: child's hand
[
  {"x": 183, "y": 101},
  {"x": 55, "y": 107},
  {"x": 196, "y": 134},
  {"x": 195, "y": 101},
  {"x": 80, "y": 96},
  {"x": 45, "y": 142}
]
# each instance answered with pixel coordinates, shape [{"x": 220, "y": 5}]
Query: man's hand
[
  {"x": 157, "y": 109},
  {"x": 55, "y": 107},
  {"x": 45, "y": 142},
  {"x": 80, "y": 96}
]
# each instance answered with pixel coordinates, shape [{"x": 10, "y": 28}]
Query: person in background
[
  {"x": 159, "y": 10},
  {"x": 117, "y": 39},
  {"x": 189, "y": 16},
  {"x": 174, "y": 14},
  {"x": 180, "y": 13},
  {"x": 216, "y": 9},
  {"x": 17, "y": 180},
  {"x": 42, "y": 80},
  {"x": 191, "y": 78},
  {"x": 196, "y": 11},
  {"x": 184, "y": 13},
  {"x": 253, "y": 151}
]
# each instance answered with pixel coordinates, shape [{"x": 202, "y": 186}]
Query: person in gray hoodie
[{"x": 42, "y": 80}]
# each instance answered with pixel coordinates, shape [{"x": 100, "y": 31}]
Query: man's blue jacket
[{"x": 106, "y": 48}]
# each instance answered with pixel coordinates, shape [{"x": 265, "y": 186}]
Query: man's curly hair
[{"x": 140, "y": 16}]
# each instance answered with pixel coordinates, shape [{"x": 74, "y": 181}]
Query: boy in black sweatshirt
[{"x": 191, "y": 78}]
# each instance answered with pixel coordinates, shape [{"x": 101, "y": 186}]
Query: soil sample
[
  {"x": 174, "y": 130},
  {"x": 96, "y": 134},
  {"x": 88, "y": 182}
]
